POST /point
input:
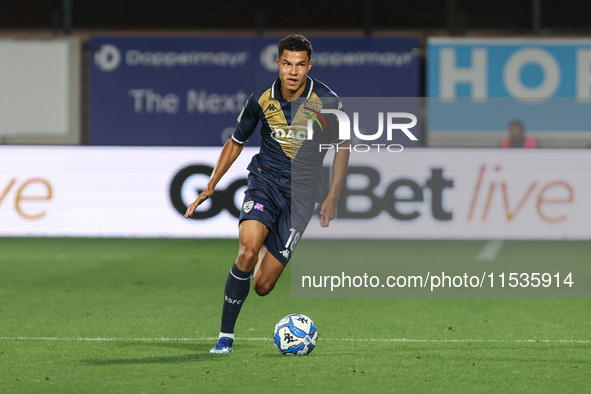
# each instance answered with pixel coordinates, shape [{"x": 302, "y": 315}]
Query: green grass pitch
[{"x": 155, "y": 304}]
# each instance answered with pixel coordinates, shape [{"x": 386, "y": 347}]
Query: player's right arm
[
  {"x": 229, "y": 154},
  {"x": 247, "y": 121}
]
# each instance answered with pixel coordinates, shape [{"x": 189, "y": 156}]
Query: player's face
[{"x": 293, "y": 69}]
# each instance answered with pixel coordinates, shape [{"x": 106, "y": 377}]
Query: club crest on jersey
[
  {"x": 247, "y": 206},
  {"x": 312, "y": 105}
]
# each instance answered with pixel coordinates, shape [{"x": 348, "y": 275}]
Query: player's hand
[
  {"x": 327, "y": 212},
  {"x": 204, "y": 195}
]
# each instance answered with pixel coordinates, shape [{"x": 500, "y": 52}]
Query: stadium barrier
[
  {"x": 40, "y": 91},
  {"x": 414, "y": 194}
]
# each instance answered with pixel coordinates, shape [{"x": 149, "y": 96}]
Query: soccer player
[{"x": 285, "y": 178}]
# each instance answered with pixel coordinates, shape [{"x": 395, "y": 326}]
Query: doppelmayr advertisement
[
  {"x": 408, "y": 194},
  {"x": 155, "y": 91}
]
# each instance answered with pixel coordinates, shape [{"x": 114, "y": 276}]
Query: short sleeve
[{"x": 247, "y": 121}]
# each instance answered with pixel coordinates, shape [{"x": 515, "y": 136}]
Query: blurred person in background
[{"x": 517, "y": 137}]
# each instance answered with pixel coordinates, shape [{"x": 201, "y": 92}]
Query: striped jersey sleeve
[{"x": 247, "y": 120}]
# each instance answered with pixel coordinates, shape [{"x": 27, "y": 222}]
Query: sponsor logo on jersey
[
  {"x": 259, "y": 207},
  {"x": 271, "y": 107},
  {"x": 285, "y": 253},
  {"x": 289, "y": 135}
]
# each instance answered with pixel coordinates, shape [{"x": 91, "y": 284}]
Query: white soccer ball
[{"x": 295, "y": 334}]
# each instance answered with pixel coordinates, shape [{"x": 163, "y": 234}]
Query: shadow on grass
[
  {"x": 144, "y": 360},
  {"x": 194, "y": 347},
  {"x": 201, "y": 353}
]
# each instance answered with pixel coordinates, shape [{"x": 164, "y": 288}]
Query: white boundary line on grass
[
  {"x": 490, "y": 250},
  {"x": 99, "y": 339}
]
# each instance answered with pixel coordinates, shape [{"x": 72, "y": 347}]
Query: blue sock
[{"x": 237, "y": 287}]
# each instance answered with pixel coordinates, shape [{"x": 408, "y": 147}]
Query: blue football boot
[{"x": 224, "y": 346}]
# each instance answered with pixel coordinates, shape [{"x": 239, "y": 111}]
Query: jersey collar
[{"x": 276, "y": 89}]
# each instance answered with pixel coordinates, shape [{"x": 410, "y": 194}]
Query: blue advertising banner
[
  {"x": 483, "y": 84},
  {"x": 190, "y": 91}
]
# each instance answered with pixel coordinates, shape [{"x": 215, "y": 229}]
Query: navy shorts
[{"x": 285, "y": 218}]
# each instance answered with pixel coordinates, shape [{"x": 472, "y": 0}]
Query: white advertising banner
[
  {"x": 109, "y": 192},
  {"x": 415, "y": 194},
  {"x": 466, "y": 194}
]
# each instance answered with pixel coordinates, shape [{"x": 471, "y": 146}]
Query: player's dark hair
[{"x": 295, "y": 43}]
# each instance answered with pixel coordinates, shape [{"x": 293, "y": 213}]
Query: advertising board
[
  {"x": 476, "y": 87},
  {"x": 413, "y": 194},
  {"x": 189, "y": 91}
]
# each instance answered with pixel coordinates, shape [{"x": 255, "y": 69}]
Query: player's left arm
[{"x": 339, "y": 170}]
